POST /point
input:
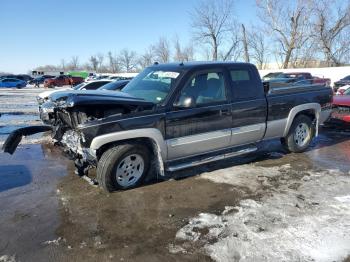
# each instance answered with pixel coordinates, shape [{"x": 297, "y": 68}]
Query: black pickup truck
[{"x": 175, "y": 116}]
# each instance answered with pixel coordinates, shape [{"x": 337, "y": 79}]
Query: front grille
[
  {"x": 341, "y": 109},
  {"x": 65, "y": 118}
]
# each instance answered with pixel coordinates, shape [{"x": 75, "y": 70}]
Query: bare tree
[
  {"x": 113, "y": 62},
  {"x": 63, "y": 64},
  {"x": 147, "y": 58},
  {"x": 100, "y": 57},
  {"x": 245, "y": 44},
  {"x": 288, "y": 23},
  {"x": 234, "y": 43},
  {"x": 183, "y": 54},
  {"x": 74, "y": 63},
  {"x": 87, "y": 67},
  {"x": 258, "y": 48},
  {"x": 127, "y": 60},
  {"x": 94, "y": 62},
  {"x": 47, "y": 68},
  {"x": 212, "y": 22},
  {"x": 162, "y": 50},
  {"x": 333, "y": 30}
]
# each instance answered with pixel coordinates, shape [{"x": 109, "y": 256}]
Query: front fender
[{"x": 152, "y": 133}]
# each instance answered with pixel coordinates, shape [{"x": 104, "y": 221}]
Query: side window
[
  {"x": 244, "y": 84},
  {"x": 206, "y": 88},
  {"x": 94, "y": 85}
]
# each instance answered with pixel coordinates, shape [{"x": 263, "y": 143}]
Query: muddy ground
[{"x": 269, "y": 206}]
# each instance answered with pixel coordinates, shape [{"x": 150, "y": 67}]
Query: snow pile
[
  {"x": 249, "y": 176},
  {"x": 6, "y": 258},
  {"x": 310, "y": 223}
]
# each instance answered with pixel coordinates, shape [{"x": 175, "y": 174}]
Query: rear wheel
[
  {"x": 18, "y": 86},
  {"x": 123, "y": 167},
  {"x": 300, "y": 135}
]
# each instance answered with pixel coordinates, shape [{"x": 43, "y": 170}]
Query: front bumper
[{"x": 16, "y": 136}]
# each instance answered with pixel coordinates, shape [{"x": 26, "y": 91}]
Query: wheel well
[
  {"x": 148, "y": 142},
  {"x": 309, "y": 113}
]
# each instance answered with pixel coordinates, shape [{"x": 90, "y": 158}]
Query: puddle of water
[{"x": 18, "y": 117}]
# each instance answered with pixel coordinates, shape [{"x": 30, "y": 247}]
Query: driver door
[{"x": 204, "y": 125}]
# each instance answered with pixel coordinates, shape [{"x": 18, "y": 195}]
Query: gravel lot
[{"x": 269, "y": 206}]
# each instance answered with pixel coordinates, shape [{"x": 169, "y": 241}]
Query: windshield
[
  {"x": 284, "y": 76},
  {"x": 77, "y": 87},
  {"x": 347, "y": 92},
  {"x": 113, "y": 85},
  {"x": 346, "y": 78},
  {"x": 152, "y": 85},
  {"x": 270, "y": 75}
]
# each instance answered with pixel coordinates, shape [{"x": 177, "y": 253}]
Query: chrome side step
[{"x": 211, "y": 159}]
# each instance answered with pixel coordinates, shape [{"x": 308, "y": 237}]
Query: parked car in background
[
  {"x": 43, "y": 97},
  {"x": 176, "y": 116},
  {"x": 39, "y": 80},
  {"x": 63, "y": 80},
  {"x": 341, "y": 90},
  {"x": 12, "y": 82},
  {"x": 7, "y": 76},
  {"x": 302, "y": 78},
  {"x": 96, "y": 77},
  {"x": 340, "y": 110},
  {"x": 120, "y": 78},
  {"x": 24, "y": 77},
  {"x": 271, "y": 76},
  {"x": 342, "y": 82},
  {"x": 115, "y": 85}
]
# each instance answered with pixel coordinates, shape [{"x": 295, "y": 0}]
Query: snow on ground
[
  {"x": 6, "y": 258},
  {"x": 19, "y": 108},
  {"x": 307, "y": 221}
]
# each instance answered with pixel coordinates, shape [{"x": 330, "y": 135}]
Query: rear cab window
[{"x": 246, "y": 85}]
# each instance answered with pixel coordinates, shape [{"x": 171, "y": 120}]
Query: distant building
[{"x": 51, "y": 73}]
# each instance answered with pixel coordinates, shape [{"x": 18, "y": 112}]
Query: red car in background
[
  {"x": 341, "y": 109},
  {"x": 63, "y": 80}
]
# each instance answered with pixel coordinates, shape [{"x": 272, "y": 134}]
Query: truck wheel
[
  {"x": 123, "y": 167},
  {"x": 300, "y": 135}
]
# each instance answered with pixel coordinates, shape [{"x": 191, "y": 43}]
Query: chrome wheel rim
[
  {"x": 302, "y": 134},
  {"x": 129, "y": 170}
]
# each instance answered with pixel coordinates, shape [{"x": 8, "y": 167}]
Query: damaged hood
[{"x": 95, "y": 97}]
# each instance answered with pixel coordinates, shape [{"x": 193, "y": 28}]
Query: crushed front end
[{"x": 75, "y": 118}]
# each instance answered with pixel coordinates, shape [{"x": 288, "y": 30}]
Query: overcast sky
[{"x": 37, "y": 32}]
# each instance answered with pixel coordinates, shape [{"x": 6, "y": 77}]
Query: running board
[{"x": 211, "y": 159}]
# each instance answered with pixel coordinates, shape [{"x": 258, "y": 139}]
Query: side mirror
[
  {"x": 266, "y": 86},
  {"x": 185, "y": 102}
]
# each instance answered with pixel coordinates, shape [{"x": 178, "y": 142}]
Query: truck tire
[
  {"x": 123, "y": 167},
  {"x": 300, "y": 135}
]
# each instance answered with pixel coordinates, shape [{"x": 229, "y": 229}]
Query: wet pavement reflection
[{"x": 47, "y": 213}]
